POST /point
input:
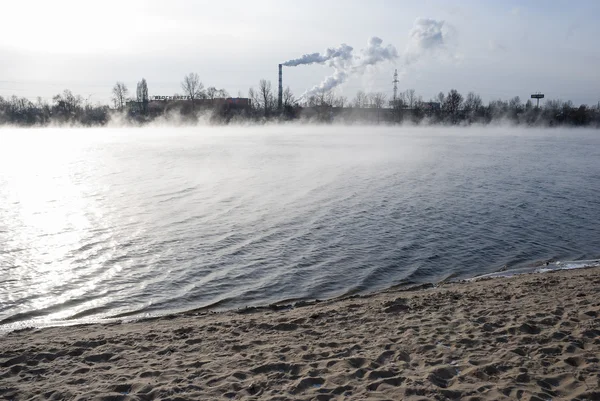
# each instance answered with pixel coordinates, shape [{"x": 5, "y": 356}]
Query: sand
[{"x": 531, "y": 337}]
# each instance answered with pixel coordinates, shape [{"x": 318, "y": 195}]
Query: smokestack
[{"x": 280, "y": 97}]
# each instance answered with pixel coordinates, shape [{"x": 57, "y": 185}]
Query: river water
[{"x": 128, "y": 222}]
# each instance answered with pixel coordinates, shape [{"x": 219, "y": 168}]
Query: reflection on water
[{"x": 117, "y": 222}]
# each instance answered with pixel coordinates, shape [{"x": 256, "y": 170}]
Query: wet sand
[{"x": 531, "y": 337}]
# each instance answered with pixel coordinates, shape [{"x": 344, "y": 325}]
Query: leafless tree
[
  {"x": 441, "y": 98},
  {"x": 340, "y": 101},
  {"x": 222, "y": 93},
  {"x": 361, "y": 100},
  {"x": 142, "y": 95},
  {"x": 322, "y": 101},
  {"x": 377, "y": 102},
  {"x": 120, "y": 93},
  {"x": 472, "y": 106},
  {"x": 254, "y": 99},
  {"x": 410, "y": 97},
  {"x": 311, "y": 101},
  {"x": 452, "y": 105},
  {"x": 398, "y": 106},
  {"x": 472, "y": 102},
  {"x": 265, "y": 95},
  {"x": 211, "y": 93},
  {"x": 324, "y": 98},
  {"x": 515, "y": 104},
  {"x": 67, "y": 102},
  {"x": 288, "y": 98},
  {"x": 192, "y": 87}
]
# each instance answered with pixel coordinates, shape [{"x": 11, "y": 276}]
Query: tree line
[{"x": 450, "y": 108}]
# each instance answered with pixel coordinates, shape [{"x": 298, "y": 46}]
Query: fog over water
[{"x": 98, "y": 223}]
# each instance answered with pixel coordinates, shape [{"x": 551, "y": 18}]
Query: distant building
[
  {"x": 241, "y": 101},
  {"x": 170, "y": 101},
  {"x": 432, "y": 106}
]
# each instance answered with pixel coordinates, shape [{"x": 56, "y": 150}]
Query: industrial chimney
[{"x": 280, "y": 97}]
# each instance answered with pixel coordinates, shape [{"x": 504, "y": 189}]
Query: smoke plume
[
  {"x": 345, "y": 63},
  {"x": 343, "y": 52},
  {"x": 427, "y": 35}
]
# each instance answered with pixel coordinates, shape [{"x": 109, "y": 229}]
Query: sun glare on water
[{"x": 47, "y": 201}]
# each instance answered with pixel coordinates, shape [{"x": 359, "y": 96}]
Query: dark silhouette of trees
[
  {"x": 290, "y": 104},
  {"x": 266, "y": 100},
  {"x": 262, "y": 99},
  {"x": 67, "y": 106},
  {"x": 322, "y": 102},
  {"x": 410, "y": 98},
  {"x": 377, "y": 102},
  {"x": 288, "y": 98},
  {"x": 211, "y": 93},
  {"x": 119, "y": 95},
  {"x": 361, "y": 100},
  {"x": 398, "y": 105},
  {"x": 472, "y": 108},
  {"x": 142, "y": 96},
  {"x": 441, "y": 98},
  {"x": 340, "y": 101},
  {"x": 193, "y": 88},
  {"x": 452, "y": 106}
]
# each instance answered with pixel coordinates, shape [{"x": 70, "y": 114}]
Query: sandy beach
[{"x": 530, "y": 337}]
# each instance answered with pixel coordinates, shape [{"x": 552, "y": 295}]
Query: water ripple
[{"x": 169, "y": 220}]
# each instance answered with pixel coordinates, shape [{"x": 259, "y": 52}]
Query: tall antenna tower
[{"x": 395, "y": 82}]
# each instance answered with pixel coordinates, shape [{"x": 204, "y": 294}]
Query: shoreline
[
  {"x": 531, "y": 336},
  {"x": 129, "y": 317}
]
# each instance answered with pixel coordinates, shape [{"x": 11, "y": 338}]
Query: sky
[{"x": 496, "y": 49}]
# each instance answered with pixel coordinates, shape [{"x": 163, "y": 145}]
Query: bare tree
[
  {"x": 340, "y": 101},
  {"x": 192, "y": 87},
  {"x": 452, "y": 105},
  {"x": 411, "y": 98},
  {"x": 515, "y": 104},
  {"x": 311, "y": 101},
  {"x": 472, "y": 105},
  {"x": 255, "y": 100},
  {"x": 288, "y": 98},
  {"x": 120, "y": 93},
  {"x": 222, "y": 93},
  {"x": 211, "y": 93},
  {"x": 66, "y": 105},
  {"x": 472, "y": 102},
  {"x": 265, "y": 96},
  {"x": 361, "y": 100},
  {"x": 324, "y": 98},
  {"x": 377, "y": 102},
  {"x": 441, "y": 98},
  {"x": 142, "y": 94}
]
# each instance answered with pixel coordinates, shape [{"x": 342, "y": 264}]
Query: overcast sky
[{"x": 497, "y": 49}]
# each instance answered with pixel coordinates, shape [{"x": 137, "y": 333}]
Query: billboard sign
[{"x": 170, "y": 97}]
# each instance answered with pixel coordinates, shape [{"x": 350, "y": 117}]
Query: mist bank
[{"x": 452, "y": 109}]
